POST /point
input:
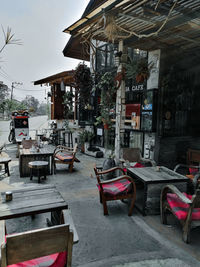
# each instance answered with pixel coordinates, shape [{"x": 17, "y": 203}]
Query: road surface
[{"x": 34, "y": 124}]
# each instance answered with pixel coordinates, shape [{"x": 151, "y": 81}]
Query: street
[{"x": 34, "y": 124}]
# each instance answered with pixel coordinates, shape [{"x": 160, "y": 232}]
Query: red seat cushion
[
  {"x": 117, "y": 188},
  {"x": 137, "y": 165},
  {"x": 180, "y": 209},
  {"x": 64, "y": 158},
  {"x": 193, "y": 170},
  {"x": 54, "y": 260}
]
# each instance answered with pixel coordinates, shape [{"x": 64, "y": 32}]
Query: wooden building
[
  {"x": 169, "y": 31},
  {"x": 58, "y": 82}
]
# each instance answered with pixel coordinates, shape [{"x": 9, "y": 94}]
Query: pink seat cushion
[
  {"x": 54, "y": 260},
  {"x": 193, "y": 170},
  {"x": 180, "y": 209},
  {"x": 64, "y": 158},
  {"x": 137, "y": 165},
  {"x": 117, "y": 188}
]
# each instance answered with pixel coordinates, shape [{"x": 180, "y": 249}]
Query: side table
[{"x": 40, "y": 167}]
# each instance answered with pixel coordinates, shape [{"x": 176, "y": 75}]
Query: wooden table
[
  {"x": 30, "y": 201},
  {"x": 149, "y": 182},
  {"x": 27, "y": 155}
]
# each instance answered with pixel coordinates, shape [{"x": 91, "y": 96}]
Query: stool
[
  {"x": 5, "y": 161},
  {"x": 40, "y": 166},
  {"x": 69, "y": 141}
]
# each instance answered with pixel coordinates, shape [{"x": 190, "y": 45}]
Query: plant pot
[{"x": 106, "y": 126}]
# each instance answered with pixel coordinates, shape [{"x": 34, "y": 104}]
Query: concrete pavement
[{"x": 115, "y": 240}]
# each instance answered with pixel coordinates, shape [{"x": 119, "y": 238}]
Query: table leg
[
  {"x": 55, "y": 218},
  {"x": 7, "y": 169},
  {"x": 38, "y": 175},
  {"x": 144, "y": 200}
]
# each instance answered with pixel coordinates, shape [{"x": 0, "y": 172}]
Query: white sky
[{"x": 39, "y": 24}]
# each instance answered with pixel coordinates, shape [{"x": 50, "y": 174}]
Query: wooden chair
[
  {"x": 130, "y": 155},
  {"x": 186, "y": 208},
  {"x": 65, "y": 155},
  {"x": 55, "y": 242},
  {"x": 28, "y": 143},
  {"x": 120, "y": 188}
]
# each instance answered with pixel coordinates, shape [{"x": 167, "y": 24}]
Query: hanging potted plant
[
  {"x": 68, "y": 105},
  {"x": 84, "y": 83},
  {"x": 107, "y": 100},
  {"x": 138, "y": 70}
]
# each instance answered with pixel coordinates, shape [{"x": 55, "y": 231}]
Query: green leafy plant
[
  {"x": 108, "y": 97},
  {"x": 68, "y": 104},
  {"x": 138, "y": 69},
  {"x": 84, "y": 83}
]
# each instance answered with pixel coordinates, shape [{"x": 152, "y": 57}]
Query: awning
[{"x": 146, "y": 24}]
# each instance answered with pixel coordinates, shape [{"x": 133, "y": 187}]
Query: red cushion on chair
[
  {"x": 64, "y": 158},
  {"x": 180, "y": 208},
  {"x": 54, "y": 260},
  {"x": 138, "y": 165},
  {"x": 117, "y": 188},
  {"x": 193, "y": 170}
]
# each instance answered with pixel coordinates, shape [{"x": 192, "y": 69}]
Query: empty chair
[
  {"x": 185, "y": 207},
  {"x": 122, "y": 187},
  {"x": 50, "y": 246},
  {"x": 65, "y": 155},
  {"x": 133, "y": 155}
]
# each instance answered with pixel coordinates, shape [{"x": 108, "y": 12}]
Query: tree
[
  {"x": 3, "y": 92},
  {"x": 31, "y": 103},
  {"x": 10, "y": 105}
]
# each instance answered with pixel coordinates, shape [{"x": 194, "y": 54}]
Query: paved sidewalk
[{"x": 115, "y": 240}]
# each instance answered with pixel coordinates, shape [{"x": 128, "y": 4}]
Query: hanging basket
[{"x": 106, "y": 126}]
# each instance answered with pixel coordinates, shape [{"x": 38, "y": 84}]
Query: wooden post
[{"x": 120, "y": 106}]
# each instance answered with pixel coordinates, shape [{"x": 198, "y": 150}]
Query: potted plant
[
  {"x": 138, "y": 70},
  {"x": 84, "y": 82},
  {"x": 107, "y": 100},
  {"x": 82, "y": 138}
]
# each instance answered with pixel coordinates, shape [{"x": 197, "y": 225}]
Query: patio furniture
[
  {"x": 28, "y": 143},
  {"x": 5, "y": 161},
  {"x": 120, "y": 188},
  {"x": 186, "y": 208},
  {"x": 2, "y": 147},
  {"x": 65, "y": 155},
  {"x": 31, "y": 200},
  {"x": 149, "y": 182},
  {"x": 133, "y": 156},
  {"x": 40, "y": 167},
  {"x": 26, "y": 155},
  {"x": 55, "y": 243}
]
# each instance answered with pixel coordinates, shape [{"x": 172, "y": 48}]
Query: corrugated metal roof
[
  {"x": 163, "y": 23},
  {"x": 65, "y": 76}
]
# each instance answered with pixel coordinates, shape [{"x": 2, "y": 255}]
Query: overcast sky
[{"x": 39, "y": 24}]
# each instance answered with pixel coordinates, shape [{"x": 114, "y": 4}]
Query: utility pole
[{"x": 12, "y": 87}]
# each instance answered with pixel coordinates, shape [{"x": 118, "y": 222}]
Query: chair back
[
  {"x": 28, "y": 143},
  {"x": 193, "y": 157},
  {"x": 131, "y": 154},
  {"x": 37, "y": 243}
]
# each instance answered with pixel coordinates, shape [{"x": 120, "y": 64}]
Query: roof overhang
[
  {"x": 145, "y": 24},
  {"x": 66, "y": 76}
]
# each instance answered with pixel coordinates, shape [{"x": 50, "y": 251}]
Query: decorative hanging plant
[
  {"x": 68, "y": 105},
  {"x": 138, "y": 70},
  {"x": 84, "y": 82},
  {"x": 108, "y": 89}
]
